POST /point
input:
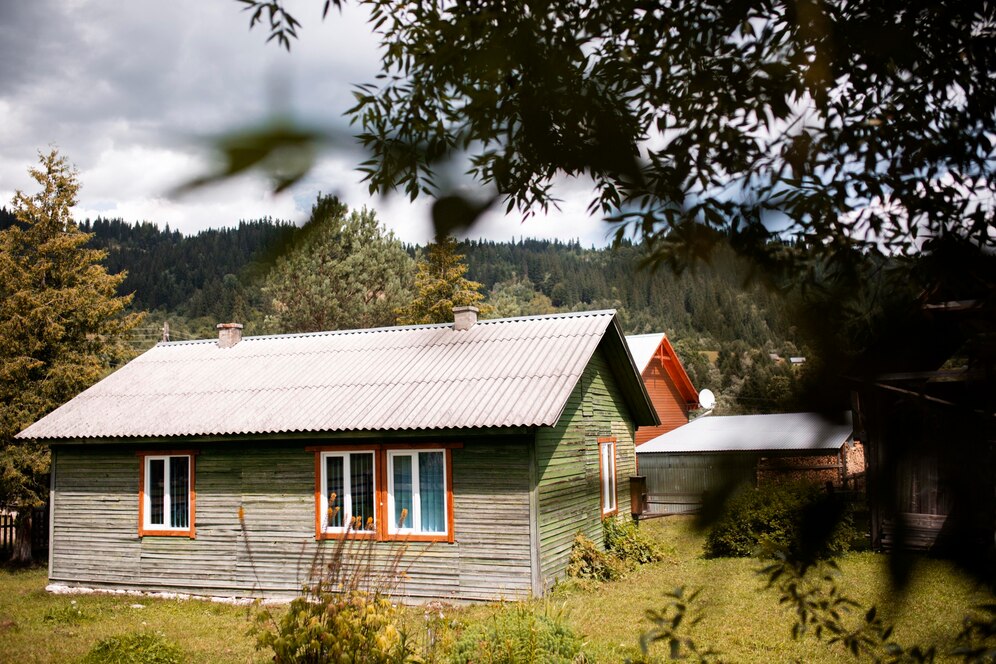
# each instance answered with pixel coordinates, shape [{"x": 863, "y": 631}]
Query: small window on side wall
[
  {"x": 607, "y": 473},
  {"x": 166, "y": 494}
]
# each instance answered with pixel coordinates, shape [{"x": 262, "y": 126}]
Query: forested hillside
[{"x": 724, "y": 326}]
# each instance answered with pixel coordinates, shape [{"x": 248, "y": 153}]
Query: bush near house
[
  {"x": 626, "y": 546},
  {"x": 519, "y": 634},
  {"x": 778, "y": 516}
]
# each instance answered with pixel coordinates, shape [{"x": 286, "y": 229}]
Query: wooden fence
[{"x": 39, "y": 533}]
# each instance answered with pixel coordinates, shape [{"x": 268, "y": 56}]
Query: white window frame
[
  {"x": 415, "y": 519},
  {"x": 147, "y": 524},
  {"x": 347, "y": 498},
  {"x": 608, "y": 487}
]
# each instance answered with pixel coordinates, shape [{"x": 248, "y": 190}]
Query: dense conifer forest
[{"x": 726, "y": 327}]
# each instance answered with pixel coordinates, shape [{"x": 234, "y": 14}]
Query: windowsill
[
  {"x": 351, "y": 535},
  {"x": 418, "y": 537},
  {"x": 167, "y": 533}
]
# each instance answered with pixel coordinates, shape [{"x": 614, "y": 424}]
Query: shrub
[
  {"x": 354, "y": 626},
  {"x": 625, "y": 540},
  {"x": 344, "y": 614},
  {"x": 135, "y": 648},
  {"x": 796, "y": 517},
  {"x": 589, "y": 562},
  {"x": 516, "y": 634}
]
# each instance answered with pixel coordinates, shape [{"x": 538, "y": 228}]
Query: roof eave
[{"x": 628, "y": 375}]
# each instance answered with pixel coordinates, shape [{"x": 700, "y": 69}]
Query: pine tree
[
  {"x": 440, "y": 285},
  {"x": 347, "y": 272},
  {"x": 61, "y": 327}
]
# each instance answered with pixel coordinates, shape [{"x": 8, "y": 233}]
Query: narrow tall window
[
  {"x": 167, "y": 490},
  {"x": 607, "y": 470},
  {"x": 348, "y": 492}
]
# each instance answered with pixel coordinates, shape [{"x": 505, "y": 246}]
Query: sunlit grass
[
  {"x": 36, "y": 626},
  {"x": 745, "y": 622},
  {"x": 741, "y": 620}
]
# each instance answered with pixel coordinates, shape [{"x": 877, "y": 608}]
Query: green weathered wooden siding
[
  {"x": 96, "y": 539},
  {"x": 567, "y": 466}
]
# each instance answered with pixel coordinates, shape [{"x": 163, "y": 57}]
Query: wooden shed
[
  {"x": 716, "y": 451},
  {"x": 668, "y": 385},
  {"x": 484, "y": 446}
]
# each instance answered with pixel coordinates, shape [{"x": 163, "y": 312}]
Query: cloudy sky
[{"x": 129, "y": 92}]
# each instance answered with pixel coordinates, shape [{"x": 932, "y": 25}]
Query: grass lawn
[
  {"x": 740, "y": 619},
  {"x": 743, "y": 621},
  {"x": 36, "y": 626}
]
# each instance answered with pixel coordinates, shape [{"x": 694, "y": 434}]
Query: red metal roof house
[{"x": 671, "y": 391}]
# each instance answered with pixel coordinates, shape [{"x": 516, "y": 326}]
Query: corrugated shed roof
[
  {"x": 499, "y": 373},
  {"x": 642, "y": 347},
  {"x": 753, "y": 433}
]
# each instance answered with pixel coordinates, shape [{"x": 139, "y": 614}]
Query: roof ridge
[{"x": 397, "y": 328}]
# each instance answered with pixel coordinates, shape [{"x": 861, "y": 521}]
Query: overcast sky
[{"x": 128, "y": 91}]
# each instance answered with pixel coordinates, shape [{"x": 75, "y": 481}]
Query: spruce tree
[
  {"x": 61, "y": 328},
  {"x": 440, "y": 285},
  {"x": 346, "y": 272}
]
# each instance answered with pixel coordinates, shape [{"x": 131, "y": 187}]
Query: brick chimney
[
  {"x": 464, "y": 318},
  {"x": 229, "y": 334}
]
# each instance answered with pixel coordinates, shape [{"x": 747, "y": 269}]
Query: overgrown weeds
[
  {"x": 135, "y": 648},
  {"x": 519, "y": 634},
  {"x": 67, "y": 614}
]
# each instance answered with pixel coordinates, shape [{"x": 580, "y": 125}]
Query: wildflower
[
  {"x": 370, "y": 523},
  {"x": 404, "y": 515},
  {"x": 242, "y": 513}
]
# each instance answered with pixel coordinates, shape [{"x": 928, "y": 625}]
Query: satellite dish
[{"x": 707, "y": 399}]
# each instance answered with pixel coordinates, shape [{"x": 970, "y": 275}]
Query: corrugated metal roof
[
  {"x": 642, "y": 347},
  {"x": 499, "y": 373},
  {"x": 753, "y": 433}
]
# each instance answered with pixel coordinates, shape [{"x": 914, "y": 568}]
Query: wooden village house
[
  {"x": 668, "y": 385},
  {"x": 485, "y": 446}
]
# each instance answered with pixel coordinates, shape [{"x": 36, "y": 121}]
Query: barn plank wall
[
  {"x": 667, "y": 400},
  {"x": 676, "y": 483},
  {"x": 568, "y": 466},
  {"x": 96, "y": 541}
]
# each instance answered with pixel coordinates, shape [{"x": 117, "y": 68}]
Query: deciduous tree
[{"x": 61, "y": 327}]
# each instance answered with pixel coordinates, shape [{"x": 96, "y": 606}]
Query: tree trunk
[{"x": 22, "y": 536}]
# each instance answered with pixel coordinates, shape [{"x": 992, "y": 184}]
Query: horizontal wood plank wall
[
  {"x": 567, "y": 466},
  {"x": 667, "y": 400},
  {"x": 95, "y": 519},
  {"x": 96, "y": 539}
]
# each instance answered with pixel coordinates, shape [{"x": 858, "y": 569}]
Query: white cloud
[{"x": 128, "y": 91}]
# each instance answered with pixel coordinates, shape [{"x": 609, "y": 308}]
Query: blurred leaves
[
  {"x": 282, "y": 149},
  {"x": 864, "y": 125}
]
